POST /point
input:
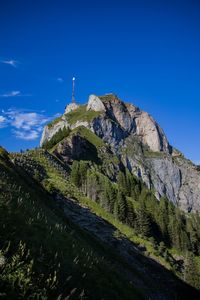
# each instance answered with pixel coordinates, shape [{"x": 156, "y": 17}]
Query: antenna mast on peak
[{"x": 73, "y": 90}]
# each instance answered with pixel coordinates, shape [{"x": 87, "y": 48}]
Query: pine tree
[
  {"x": 161, "y": 248},
  {"x": 108, "y": 195},
  {"x": 163, "y": 218},
  {"x": 142, "y": 221},
  {"x": 105, "y": 197},
  {"x": 191, "y": 273},
  {"x": 83, "y": 166},
  {"x": 92, "y": 185},
  {"x": 122, "y": 206},
  {"x": 121, "y": 180},
  {"x": 75, "y": 177},
  {"x": 130, "y": 218},
  {"x": 112, "y": 197},
  {"x": 57, "y": 137},
  {"x": 116, "y": 210}
]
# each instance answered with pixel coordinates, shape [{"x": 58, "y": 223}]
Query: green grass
[
  {"x": 38, "y": 221},
  {"x": 108, "y": 97},
  {"x": 154, "y": 154},
  {"x": 54, "y": 122},
  {"x": 89, "y": 135},
  {"x": 56, "y": 247},
  {"x": 81, "y": 114},
  {"x": 68, "y": 189}
]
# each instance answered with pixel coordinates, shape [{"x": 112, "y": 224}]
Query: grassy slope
[
  {"x": 89, "y": 135},
  {"x": 29, "y": 215},
  {"x": 81, "y": 114},
  {"x": 56, "y": 180},
  {"x": 69, "y": 190}
]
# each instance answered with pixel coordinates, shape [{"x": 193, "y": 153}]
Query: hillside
[
  {"x": 44, "y": 254},
  {"x": 139, "y": 143},
  {"x": 95, "y": 212},
  {"x": 55, "y": 241}
]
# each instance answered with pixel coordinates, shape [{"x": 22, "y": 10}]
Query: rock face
[
  {"x": 75, "y": 147},
  {"x": 49, "y": 132},
  {"x": 71, "y": 107},
  {"x": 151, "y": 133},
  {"x": 139, "y": 143},
  {"x": 94, "y": 103}
]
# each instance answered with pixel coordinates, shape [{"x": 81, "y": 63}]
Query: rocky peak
[
  {"x": 136, "y": 139},
  {"x": 132, "y": 120},
  {"x": 70, "y": 107},
  {"x": 95, "y": 103},
  {"x": 115, "y": 121}
]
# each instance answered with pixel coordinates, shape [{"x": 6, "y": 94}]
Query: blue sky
[{"x": 147, "y": 52}]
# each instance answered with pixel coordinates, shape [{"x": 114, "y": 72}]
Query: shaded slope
[
  {"x": 151, "y": 278},
  {"x": 48, "y": 256}
]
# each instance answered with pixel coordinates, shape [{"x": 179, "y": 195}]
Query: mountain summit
[
  {"x": 86, "y": 215},
  {"x": 113, "y": 121},
  {"x": 135, "y": 138}
]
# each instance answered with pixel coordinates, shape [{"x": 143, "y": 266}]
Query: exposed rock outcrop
[
  {"x": 151, "y": 133},
  {"x": 139, "y": 143},
  {"x": 50, "y": 131},
  {"x": 94, "y": 103},
  {"x": 70, "y": 107}
]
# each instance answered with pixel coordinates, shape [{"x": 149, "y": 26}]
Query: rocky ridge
[{"x": 138, "y": 141}]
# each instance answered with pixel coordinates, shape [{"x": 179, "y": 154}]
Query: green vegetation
[
  {"x": 81, "y": 114},
  {"x": 54, "y": 122},
  {"x": 33, "y": 227},
  {"x": 108, "y": 97},
  {"x": 89, "y": 135},
  {"x": 154, "y": 154},
  {"x": 130, "y": 202},
  {"x": 57, "y": 137},
  {"x": 44, "y": 256},
  {"x": 4, "y": 154}
]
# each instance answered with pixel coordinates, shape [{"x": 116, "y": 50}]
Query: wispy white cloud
[
  {"x": 14, "y": 94},
  {"x": 25, "y": 125},
  {"x": 2, "y": 121},
  {"x": 11, "y": 94},
  {"x": 60, "y": 79},
  {"x": 27, "y": 120},
  {"x": 26, "y": 135},
  {"x": 10, "y": 62}
]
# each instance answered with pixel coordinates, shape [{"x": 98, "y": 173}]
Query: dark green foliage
[
  {"x": 161, "y": 220},
  {"x": 75, "y": 176},
  {"x": 131, "y": 216},
  {"x": 108, "y": 196},
  {"x": 58, "y": 136},
  {"x": 129, "y": 184},
  {"x": 143, "y": 221},
  {"x": 54, "y": 122},
  {"x": 3, "y": 153},
  {"x": 177, "y": 231},
  {"x": 126, "y": 197},
  {"x": 122, "y": 183},
  {"x": 162, "y": 248},
  {"x": 191, "y": 271},
  {"x": 43, "y": 255},
  {"x": 122, "y": 206}
]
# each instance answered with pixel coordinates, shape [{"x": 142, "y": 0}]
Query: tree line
[{"x": 132, "y": 203}]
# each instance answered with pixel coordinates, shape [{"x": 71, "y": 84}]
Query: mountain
[
  {"x": 87, "y": 214},
  {"x": 138, "y": 142}
]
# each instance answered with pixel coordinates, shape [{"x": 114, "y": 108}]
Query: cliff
[{"x": 138, "y": 142}]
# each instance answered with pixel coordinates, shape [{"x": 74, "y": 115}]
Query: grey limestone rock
[{"x": 140, "y": 144}]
